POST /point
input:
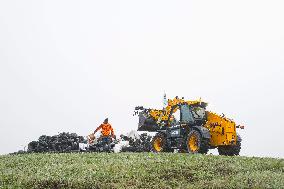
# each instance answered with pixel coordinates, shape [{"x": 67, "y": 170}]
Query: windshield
[{"x": 186, "y": 115}]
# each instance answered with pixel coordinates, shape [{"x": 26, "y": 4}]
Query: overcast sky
[{"x": 66, "y": 65}]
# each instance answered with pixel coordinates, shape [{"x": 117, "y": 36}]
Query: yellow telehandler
[{"x": 187, "y": 126}]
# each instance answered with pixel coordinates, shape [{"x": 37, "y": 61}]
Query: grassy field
[{"x": 143, "y": 170}]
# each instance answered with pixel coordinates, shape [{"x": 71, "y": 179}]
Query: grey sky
[{"x": 66, "y": 65}]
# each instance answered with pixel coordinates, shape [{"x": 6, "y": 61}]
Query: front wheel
[
  {"x": 159, "y": 143},
  {"x": 196, "y": 143}
]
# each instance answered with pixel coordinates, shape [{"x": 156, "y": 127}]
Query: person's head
[{"x": 106, "y": 120}]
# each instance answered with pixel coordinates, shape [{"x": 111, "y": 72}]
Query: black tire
[
  {"x": 195, "y": 143},
  {"x": 161, "y": 137},
  {"x": 232, "y": 150}
]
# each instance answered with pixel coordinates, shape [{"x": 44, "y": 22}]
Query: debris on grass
[{"x": 66, "y": 142}]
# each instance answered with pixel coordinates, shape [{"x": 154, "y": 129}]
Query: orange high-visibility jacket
[{"x": 106, "y": 129}]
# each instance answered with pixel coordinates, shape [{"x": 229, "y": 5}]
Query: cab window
[{"x": 186, "y": 115}]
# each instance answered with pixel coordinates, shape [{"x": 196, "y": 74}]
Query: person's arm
[{"x": 99, "y": 127}]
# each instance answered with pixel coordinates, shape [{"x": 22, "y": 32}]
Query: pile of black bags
[
  {"x": 63, "y": 142},
  {"x": 69, "y": 142}
]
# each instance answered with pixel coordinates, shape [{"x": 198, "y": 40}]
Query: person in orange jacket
[{"x": 107, "y": 130}]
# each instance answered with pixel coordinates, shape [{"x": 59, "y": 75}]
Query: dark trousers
[{"x": 106, "y": 139}]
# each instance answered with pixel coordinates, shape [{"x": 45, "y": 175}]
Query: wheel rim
[
  {"x": 158, "y": 144},
  {"x": 193, "y": 143}
]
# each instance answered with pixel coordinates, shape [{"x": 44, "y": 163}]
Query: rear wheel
[
  {"x": 159, "y": 143},
  {"x": 196, "y": 143},
  {"x": 232, "y": 150}
]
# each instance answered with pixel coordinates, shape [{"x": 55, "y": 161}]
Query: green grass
[{"x": 139, "y": 170}]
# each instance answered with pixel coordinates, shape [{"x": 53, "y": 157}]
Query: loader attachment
[{"x": 146, "y": 123}]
